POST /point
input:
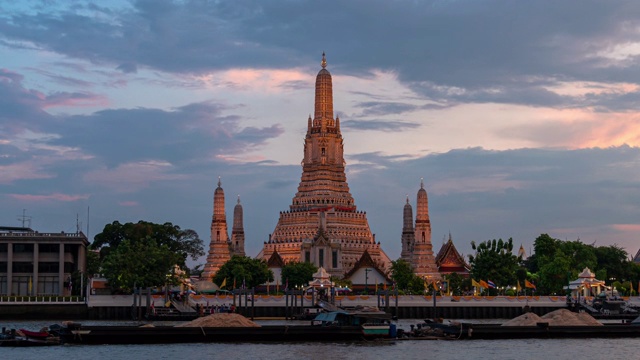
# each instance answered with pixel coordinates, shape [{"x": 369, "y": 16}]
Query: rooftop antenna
[
  {"x": 87, "y": 222},
  {"x": 78, "y": 224},
  {"x": 24, "y": 218}
]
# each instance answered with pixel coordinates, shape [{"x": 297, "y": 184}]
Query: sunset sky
[{"x": 523, "y": 117}]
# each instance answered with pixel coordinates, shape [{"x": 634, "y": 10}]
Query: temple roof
[
  {"x": 636, "y": 258},
  {"x": 366, "y": 261},
  {"x": 448, "y": 257},
  {"x": 275, "y": 261}
]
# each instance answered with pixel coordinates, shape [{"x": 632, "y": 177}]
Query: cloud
[
  {"x": 49, "y": 197},
  {"x": 128, "y": 68},
  {"x": 379, "y": 125}
]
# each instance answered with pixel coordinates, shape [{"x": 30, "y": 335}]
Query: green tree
[
  {"x": 554, "y": 274},
  {"x": 252, "y": 272},
  {"x": 297, "y": 273},
  {"x": 184, "y": 243},
  {"x": 457, "y": 284},
  {"x": 142, "y": 263},
  {"x": 404, "y": 277},
  {"x": 494, "y": 260},
  {"x": 614, "y": 260},
  {"x": 402, "y": 273}
]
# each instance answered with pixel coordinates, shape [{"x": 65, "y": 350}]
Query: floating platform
[
  {"x": 543, "y": 331},
  {"x": 169, "y": 334}
]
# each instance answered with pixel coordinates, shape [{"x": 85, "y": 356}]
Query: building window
[
  {"x": 3, "y": 267},
  {"x": 334, "y": 259},
  {"x": 20, "y": 285},
  {"x": 3, "y": 285},
  {"x": 23, "y": 248},
  {"x": 48, "y": 285},
  {"x": 307, "y": 256},
  {"x": 48, "y": 267},
  {"x": 324, "y": 152},
  {"x": 22, "y": 267},
  {"x": 321, "y": 258},
  {"x": 49, "y": 248},
  {"x": 69, "y": 267},
  {"x": 3, "y": 248}
]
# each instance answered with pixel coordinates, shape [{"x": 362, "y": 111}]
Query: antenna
[
  {"x": 87, "y": 222},
  {"x": 24, "y": 218}
]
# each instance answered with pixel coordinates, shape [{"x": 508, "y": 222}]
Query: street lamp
[{"x": 366, "y": 280}]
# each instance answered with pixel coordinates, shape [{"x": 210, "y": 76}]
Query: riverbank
[{"x": 119, "y": 307}]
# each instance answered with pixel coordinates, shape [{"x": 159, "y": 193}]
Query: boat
[
  {"x": 27, "y": 338},
  {"x": 373, "y": 323}
]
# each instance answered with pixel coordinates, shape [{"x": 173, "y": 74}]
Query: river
[{"x": 468, "y": 349}]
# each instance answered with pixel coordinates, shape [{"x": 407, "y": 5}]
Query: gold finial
[
  {"x": 421, "y": 183},
  {"x": 219, "y": 182},
  {"x": 324, "y": 61}
]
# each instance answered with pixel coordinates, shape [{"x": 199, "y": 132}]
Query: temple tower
[
  {"x": 219, "y": 249},
  {"x": 237, "y": 232},
  {"x": 422, "y": 259},
  {"x": 408, "y": 232},
  {"x": 322, "y": 224}
]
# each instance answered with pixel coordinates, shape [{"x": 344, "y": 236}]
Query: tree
[
  {"x": 297, "y": 273},
  {"x": 404, "y": 277},
  {"x": 243, "y": 269},
  {"x": 457, "y": 284},
  {"x": 141, "y": 263},
  {"x": 184, "y": 243},
  {"x": 494, "y": 260}
]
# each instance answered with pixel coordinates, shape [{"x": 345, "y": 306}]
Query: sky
[{"x": 523, "y": 117}]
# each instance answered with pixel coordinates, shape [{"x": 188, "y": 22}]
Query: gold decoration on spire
[{"x": 324, "y": 61}]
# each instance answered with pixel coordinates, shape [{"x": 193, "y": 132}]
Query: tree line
[{"x": 144, "y": 254}]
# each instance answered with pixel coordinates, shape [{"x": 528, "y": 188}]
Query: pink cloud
[
  {"x": 50, "y": 197},
  {"x": 627, "y": 227},
  {"x": 21, "y": 171}
]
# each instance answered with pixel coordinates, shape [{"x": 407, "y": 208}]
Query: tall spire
[{"x": 323, "y": 115}]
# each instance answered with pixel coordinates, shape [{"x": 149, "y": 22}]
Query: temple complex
[
  {"x": 323, "y": 225},
  {"x": 221, "y": 247}
]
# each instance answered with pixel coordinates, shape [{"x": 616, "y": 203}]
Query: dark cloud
[
  {"x": 379, "y": 125},
  {"x": 494, "y": 50},
  {"x": 380, "y": 108}
]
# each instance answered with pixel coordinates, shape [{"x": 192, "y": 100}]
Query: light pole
[{"x": 366, "y": 280}]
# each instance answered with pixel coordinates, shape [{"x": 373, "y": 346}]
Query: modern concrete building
[{"x": 33, "y": 263}]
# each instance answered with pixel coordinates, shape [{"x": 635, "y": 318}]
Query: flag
[
  {"x": 224, "y": 283},
  {"x": 518, "y": 287},
  {"x": 435, "y": 285},
  {"x": 153, "y": 308},
  {"x": 491, "y": 284},
  {"x": 483, "y": 284},
  {"x": 475, "y": 283},
  {"x": 376, "y": 288},
  {"x": 384, "y": 286},
  {"x": 529, "y": 285},
  {"x": 426, "y": 286}
]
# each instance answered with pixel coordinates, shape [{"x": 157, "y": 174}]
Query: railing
[{"x": 42, "y": 299}]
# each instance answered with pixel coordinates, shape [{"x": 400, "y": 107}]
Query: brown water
[{"x": 458, "y": 350}]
